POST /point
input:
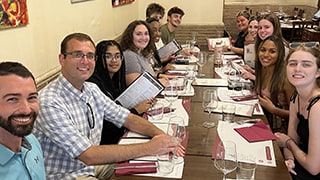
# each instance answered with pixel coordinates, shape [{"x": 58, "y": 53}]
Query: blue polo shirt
[{"x": 27, "y": 164}]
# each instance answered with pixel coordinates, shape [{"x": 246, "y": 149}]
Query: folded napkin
[
  {"x": 186, "y": 104},
  {"x": 257, "y": 132},
  {"x": 157, "y": 111},
  {"x": 215, "y": 146},
  {"x": 244, "y": 98},
  {"x": 135, "y": 168}
]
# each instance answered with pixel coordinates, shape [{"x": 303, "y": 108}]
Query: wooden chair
[{"x": 297, "y": 29}]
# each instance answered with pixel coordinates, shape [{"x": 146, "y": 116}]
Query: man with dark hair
[
  {"x": 21, "y": 154},
  {"x": 174, "y": 18},
  {"x": 71, "y": 117},
  {"x": 155, "y": 10}
]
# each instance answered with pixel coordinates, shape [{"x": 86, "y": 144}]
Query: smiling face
[
  {"x": 302, "y": 69},
  {"x": 268, "y": 53},
  {"x": 253, "y": 28},
  {"x": 175, "y": 19},
  {"x": 77, "y": 70},
  {"x": 242, "y": 23},
  {"x": 141, "y": 36},
  {"x": 19, "y": 104},
  {"x": 155, "y": 28},
  {"x": 266, "y": 29},
  {"x": 113, "y": 59}
]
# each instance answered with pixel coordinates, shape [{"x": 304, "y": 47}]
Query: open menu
[
  {"x": 143, "y": 88},
  {"x": 172, "y": 47},
  {"x": 212, "y": 42}
]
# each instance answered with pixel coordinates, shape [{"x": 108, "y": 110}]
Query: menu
[{"x": 143, "y": 88}]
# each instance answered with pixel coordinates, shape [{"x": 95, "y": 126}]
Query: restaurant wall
[{"x": 37, "y": 44}]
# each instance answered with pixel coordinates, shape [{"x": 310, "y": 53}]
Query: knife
[{"x": 136, "y": 167}]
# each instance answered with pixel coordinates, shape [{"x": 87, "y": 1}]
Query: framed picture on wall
[
  {"x": 13, "y": 14},
  {"x": 116, "y": 3}
]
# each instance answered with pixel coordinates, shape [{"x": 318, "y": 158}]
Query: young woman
[
  {"x": 271, "y": 83},
  {"x": 109, "y": 75},
  {"x": 301, "y": 145},
  {"x": 242, "y": 23},
  {"x": 138, "y": 45},
  {"x": 160, "y": 65},
  {"x": 268, "y": 25}
]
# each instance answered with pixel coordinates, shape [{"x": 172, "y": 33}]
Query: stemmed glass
[
  {"x": 177, "y": 129},
  {"x": 190, "y": 77},
  {"x": 226, "y": 157},
  {"x": 193, "y": 40},
  {"x": 209, "y": 103},
  {"x": 171, "y": 93},
  {"x": 201, "y": 62}
]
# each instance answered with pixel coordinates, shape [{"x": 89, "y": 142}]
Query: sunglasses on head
[{"x": 312, "y": 44}]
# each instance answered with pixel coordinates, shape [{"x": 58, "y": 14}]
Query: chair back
[{"x": 297, "y": 29}]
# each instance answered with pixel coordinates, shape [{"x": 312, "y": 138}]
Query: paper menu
[
  {"x": 143, "y": 88},
  {"x": 210, "y": 82},
  {"x": 241, "y": 109},
  {"x": 212, "y": 42},
  {"x": 244, "y": 148}
]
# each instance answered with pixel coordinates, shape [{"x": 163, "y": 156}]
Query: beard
[{"x": 18, "y": 130}]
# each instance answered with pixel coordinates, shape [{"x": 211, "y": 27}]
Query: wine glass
[
  {"x": 190, "y": 77},
  {"x": 171, "y": 93},
  {"x": 209, "y": 103},
  {"x": 226, "y": 157},
  {"x": 177, "y": 129},
  {"x": 193, "y": 40},
  {"x": 201, "y": 62}
]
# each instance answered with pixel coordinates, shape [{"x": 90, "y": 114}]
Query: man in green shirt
[{"x": 174, "y": 18}]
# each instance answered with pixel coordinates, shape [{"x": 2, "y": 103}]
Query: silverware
[
  {"x": 136, "y": 167},
  {"x": 248, "y": 121}
]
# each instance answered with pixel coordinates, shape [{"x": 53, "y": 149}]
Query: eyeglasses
[
  {"x": 91, "y": 119},
  {"x": 81, "y": 55},
  {"x": 311, "y": 44},
  {"x": 117, "y": 57}
]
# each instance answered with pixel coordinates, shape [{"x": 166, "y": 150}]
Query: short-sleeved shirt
[
  {"x": 63, "y": 125},
  {"x": 166, "y": 35},
  {"x": 26, "y": 164},
  {"x": 136, "y": 63}
]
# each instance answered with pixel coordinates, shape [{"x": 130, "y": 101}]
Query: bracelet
[
  {"x": 158, "y": 75},
  {"x": 287, "y": 141}
]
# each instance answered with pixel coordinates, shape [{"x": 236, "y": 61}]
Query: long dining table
[{"x": 198, "y": 163}]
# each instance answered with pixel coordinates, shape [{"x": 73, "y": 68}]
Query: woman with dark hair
[
  {"x": 109, "y": 75},
  {"x": 271, "y": 83},
  {"x": 138, "y": 44}
]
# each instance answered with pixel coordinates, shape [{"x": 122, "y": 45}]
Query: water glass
[
  {"x": 228, "y": 112},
  {"x": 246, "y": 170},
  {"x": 165, "y": 164}
]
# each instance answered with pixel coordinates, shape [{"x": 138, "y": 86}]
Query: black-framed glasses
[
  {"x": 311, "y": 44},
  {"x": 80, "y": 55},
  {"x": 110, "y": 56},
  {"x": 91, "y": 119}
]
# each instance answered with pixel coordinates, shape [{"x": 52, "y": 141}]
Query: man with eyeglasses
[
  {"x": 71, "y": 116},
  {"x": 21, "y": 154}
]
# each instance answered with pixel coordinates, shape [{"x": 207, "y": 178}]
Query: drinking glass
[
  {"x": 171, "y": 93},
  {"x": 190, "y": 77},
  {"x": 209, "y": 103},
  {"x": 226, "y": 157},
  {"x": 193, "y": 40},
  {"x": 177, "y": 129},
  {"x": 201, "y": 62}
]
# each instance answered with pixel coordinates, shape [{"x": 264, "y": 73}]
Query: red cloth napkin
[
  {"x": 244, "y": 98},
  {"x": 186, "y": 104},
  {"x": 215, "y": 145},
  {"x": 131, "y": 168},
  {"x": 257, "y": 132}
]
